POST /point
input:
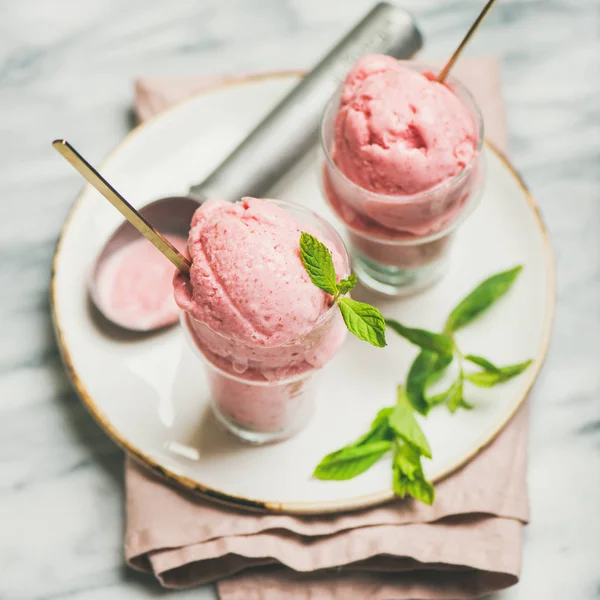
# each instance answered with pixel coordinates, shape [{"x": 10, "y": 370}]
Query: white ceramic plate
[{"x": 150, "y": 393}]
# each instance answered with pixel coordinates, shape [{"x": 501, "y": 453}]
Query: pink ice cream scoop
[
  {"x": 403, "y": 149},
  {"x": 249, "y": 295},
  {"x": 398, "y": 131}
]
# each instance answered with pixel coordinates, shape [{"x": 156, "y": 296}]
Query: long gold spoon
[
  {"x": 131, "y": 214},
  {"x": 444, "y": 72}
]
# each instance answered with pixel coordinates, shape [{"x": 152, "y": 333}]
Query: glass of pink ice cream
[
  {"x": 262, "y": 328},
  {"x": 402, "y": 169}
]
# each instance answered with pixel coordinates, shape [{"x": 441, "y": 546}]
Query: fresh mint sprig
[
  {"x": 439, "y": 350},
  {"x": 488, "y": 378},
  {"x": 395, "y": 429},
  {"x": 363, "y": 320}
]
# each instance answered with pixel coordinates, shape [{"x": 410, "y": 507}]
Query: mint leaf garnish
[
  {"x": 380, "y": 428},
  {"x": 397, "y": 428},
  {"x": 364, "y": 321},
  {"x": 360, "y": 455},
  {"x": 408, "y": 478},
  {"x": 407, "y": 459},
  {"x": 480, "y": 299},
  {"x": 425, "y": 369},
  {"x": 434, "y": 342},
  {"x": 484, "y": 363},
  {"x": 345, "y": 285},
  {"x": 350, "y": 461},
  {"x": 393, "y": 427},
  {"x": 438, "y": 350},
  {"x": 488, "y": 379},
  {"x": 318, "y": 263},
  {"x": 450, "y": 397},
  {"x": 455, "y": 399},
  {"x": 405, "y": 425},
  {"x": 464, "y": 404}
]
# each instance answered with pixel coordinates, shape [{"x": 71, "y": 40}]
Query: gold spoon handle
[
  {"x": 444, "y": 72},
  {"x": 133, "y": 216}
]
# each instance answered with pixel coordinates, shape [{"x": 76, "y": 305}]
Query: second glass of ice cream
[{"x": 402, "y": 169}]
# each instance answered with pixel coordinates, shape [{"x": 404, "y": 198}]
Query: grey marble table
[{"x": 66, "y": 69}]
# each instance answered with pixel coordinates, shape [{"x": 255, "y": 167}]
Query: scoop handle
[{"x": 282, "y": 138}]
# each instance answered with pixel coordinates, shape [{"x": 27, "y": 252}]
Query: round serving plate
[{"x": 150, "y": 392}]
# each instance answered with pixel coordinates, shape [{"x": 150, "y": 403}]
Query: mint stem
[{"x": 460, "y": 357}]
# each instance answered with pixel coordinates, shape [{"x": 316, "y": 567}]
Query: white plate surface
[{"x": 150, "y": 394}]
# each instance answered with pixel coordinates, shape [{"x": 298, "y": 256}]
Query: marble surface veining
[{"x": 66, "y": 69}]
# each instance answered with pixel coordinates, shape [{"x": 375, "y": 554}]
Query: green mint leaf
[
  {"x": 426, "y": 368},
  {"x": 488, "y": 379},
  {"x": 404, "y": 424},
  {"x": 407, "y": 459},
  {"x": 407, "y": 475},
  {"x": 399, "y": 482},
  {"x": 484, "y": 363},
  {"x": 364, "y": 321},
  {"x": 514, "y": 370},
  {"x": 455, "y": 400},
  {"x": 466, "y": 405},
  {"x": 380, "y": 429},
  {"x": 345, "y": 285},
  {"x": 447, "y": 396},
  {"x": 381, "y": 418},
  {"x": 420, "y": 489},
  {"x": 318, "y": 263},
  {"x": 434, "y": 342},
  {"x": 360, "y": 455},
  {"x": 350, "y": 461},
  {"x": 481, "y": 298},
  {"x": 439, "y": 367}
]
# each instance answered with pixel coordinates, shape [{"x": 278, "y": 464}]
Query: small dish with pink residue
[{"x": 131, "y": 283}]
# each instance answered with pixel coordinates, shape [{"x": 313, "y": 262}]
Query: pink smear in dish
[{"x": 135, "y": 285}]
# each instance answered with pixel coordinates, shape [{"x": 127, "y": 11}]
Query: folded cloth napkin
[{"x": 467, "y": 545}]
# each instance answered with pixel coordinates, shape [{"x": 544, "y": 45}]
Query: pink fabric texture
[{"x": 465, "y": 546}]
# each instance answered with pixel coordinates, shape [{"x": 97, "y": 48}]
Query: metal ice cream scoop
[{"x": 265, "y": 155}]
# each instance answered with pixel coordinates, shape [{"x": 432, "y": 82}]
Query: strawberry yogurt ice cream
[
  {"x": 402, "y": 162},
  {"x": 253, "y": 311},
  {"x": 397, "y": 131}
]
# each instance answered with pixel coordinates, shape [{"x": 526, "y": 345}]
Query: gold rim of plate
[{"x": 329, "y": 506}]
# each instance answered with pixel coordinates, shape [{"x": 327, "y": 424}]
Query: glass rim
[
  {"x": 184, "y": 318},
  {"x": 471, "y": 106}
]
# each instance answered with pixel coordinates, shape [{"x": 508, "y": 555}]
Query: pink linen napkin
[{"x": 465, "y": 546}]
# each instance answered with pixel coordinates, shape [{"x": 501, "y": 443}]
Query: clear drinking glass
[
  {"x": 255, "y": 409},
  {"x": 265, "y": 393},
  {"x": 400, "y": 244}
]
